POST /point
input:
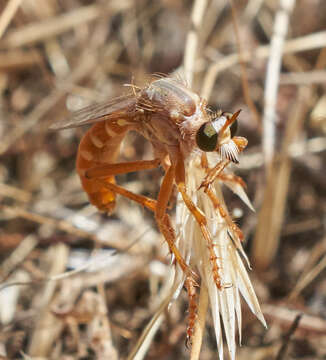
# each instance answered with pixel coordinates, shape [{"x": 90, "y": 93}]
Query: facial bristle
[{"x": 230, "y": 151}]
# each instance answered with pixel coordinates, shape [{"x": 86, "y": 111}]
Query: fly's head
[{"x": 218, "y": 134}]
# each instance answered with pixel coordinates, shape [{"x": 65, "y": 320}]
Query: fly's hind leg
[
  {"x": 105, "y": 170},
  {"x": 96, "y": 180},
  {"x": 163, "y": 220},
  {"x": 145, "y": 201}
]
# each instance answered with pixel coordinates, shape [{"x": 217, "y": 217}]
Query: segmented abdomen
[{"x": 100, "y": 145}]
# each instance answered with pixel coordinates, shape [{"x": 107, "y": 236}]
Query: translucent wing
[{"x": 121, "y": 107}]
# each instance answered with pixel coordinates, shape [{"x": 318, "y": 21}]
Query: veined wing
[{"x": 121, "y": 107}]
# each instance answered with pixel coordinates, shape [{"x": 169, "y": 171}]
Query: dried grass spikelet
[{"x": 225, "y": 304}]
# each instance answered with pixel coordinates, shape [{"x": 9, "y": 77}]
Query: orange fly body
[{"x": 178, "y": 124}]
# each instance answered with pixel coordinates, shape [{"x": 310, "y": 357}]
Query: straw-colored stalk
[{"x": 224, "y": 303}]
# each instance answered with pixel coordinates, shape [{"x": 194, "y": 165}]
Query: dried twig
[
  {"x": 271, "y": 215},
  {"x": 32, "y": 33},
  {"x": 304, "y": 43},
  {"x": 308, "y": 278},
  {"x": 191, "y": 48},
  {"x": 272, "y": 78},
  {"x": 7, "y": 14},
  {"x": 200, "y": 324},
  {"x": 287, "y": 337},
  {"x": 244, "y": 76}
]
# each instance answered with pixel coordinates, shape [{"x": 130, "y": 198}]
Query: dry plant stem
[
  {"x": 54, "y": 26},
  {"x": 192, "y": 39},
  {"x": 17, "y": 256},
  {"x": 282, "y": 352},
  {"x": 266, "y": 240},
  {"x": 252, "y": 10},
  {"x": 14, "y": 193},
  {"x": 7, "y": 15},
  {"x": 284, "y": 315},
  {"x": 272, "y": 78},
  {"x": 304, "y": 43},
  {"x": 86, "y": 65},
  {"x": 296, "y": 150},
  {"x": 200, "y": 324},
  {"x": 189, "y": 68},
  {"x": 47, "y": 327},
  {"x": 17, "y": 59},
  {"x": 59, "y": 224},
  {"x": 244, "y": 75},
  {"x": 308, "y": 278},
  {"x": 140, "y": 349},
  {"x": 304, "y": 78}
]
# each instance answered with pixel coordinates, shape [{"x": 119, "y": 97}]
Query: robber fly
[{"x": 178, "y": 123}]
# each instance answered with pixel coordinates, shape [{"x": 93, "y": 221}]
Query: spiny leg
[
  {"x": 190, "y": 285},
  {"x": 213, "y": 173},
  {"x": 164, "y": 223},
  {"x": 99, "y": 194},
  {"x": 204, "y": 162},
  {"x": 216, "y": 203},
  {"x": 105, "y": 170},
  {"x": 232, "y": 178},
  {"x": 225, "y": 215},
  {"x": 217, "y": 173},
  {"x": 145, "y": 201},
  {"x": 200, "y": 218},
  {"x": 159, "y": 206},
  {"x": 202, "y": 222},
  {"x": 221, "y": 175},
  {"x": 163, "y": 219}
]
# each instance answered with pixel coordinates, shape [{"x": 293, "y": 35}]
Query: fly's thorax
[{"x": 172, "y": 97}]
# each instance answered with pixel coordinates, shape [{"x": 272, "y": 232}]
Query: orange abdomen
[{"x": 100, "y": 145}]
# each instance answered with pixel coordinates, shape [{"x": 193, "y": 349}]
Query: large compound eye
[{"x": 206, "y": 137}]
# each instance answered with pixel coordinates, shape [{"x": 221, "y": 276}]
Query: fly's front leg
[
  {"x": 216, "y": 203},
  {"x": 225, "y": 215},
  {"x": 232, "y": 178},
  {"x": 213, "y": 173}
]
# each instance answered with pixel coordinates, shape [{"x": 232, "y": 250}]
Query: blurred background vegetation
[{"x": 58, "y": 56}]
